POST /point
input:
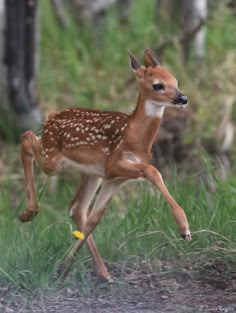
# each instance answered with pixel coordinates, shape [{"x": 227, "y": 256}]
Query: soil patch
[{"x": 139, "y": 289}]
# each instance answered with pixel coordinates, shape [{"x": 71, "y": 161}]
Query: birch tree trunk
[
  {"x": 188, "y": 14},
  {"x": 193, "y": 12},
  {"x": 20, "y": 47},
  {"x": 3, "y": 84}
]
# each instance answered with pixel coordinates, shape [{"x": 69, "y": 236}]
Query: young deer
[{"x": 112, "y": 146}]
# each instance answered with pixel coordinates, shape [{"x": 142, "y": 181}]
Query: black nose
[{"x": 183, "y": 99}]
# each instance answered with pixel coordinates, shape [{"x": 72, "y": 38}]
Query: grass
[
  {"x": 32, "y": 252},
  {"x": 74, "y": 72}
]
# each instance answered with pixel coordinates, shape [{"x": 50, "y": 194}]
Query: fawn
[{"x": 110, "y": 146}]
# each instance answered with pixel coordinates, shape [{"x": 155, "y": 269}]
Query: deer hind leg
[
  {"x": 31, "y": 150},
  {"x": 79, "y": 211},
  {"x": 103, "y": 199}
]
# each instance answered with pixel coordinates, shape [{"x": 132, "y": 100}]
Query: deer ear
[
  {"x": 134, "y": 63},
  {"x": 150, "y": 58}
]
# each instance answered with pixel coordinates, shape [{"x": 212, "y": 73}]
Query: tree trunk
[
  {"x": 21, "y": 57},
  {"x": 193, "y": 12},
  {"x": 185, "y": 15},
  {"x": 3, "y": 85}
]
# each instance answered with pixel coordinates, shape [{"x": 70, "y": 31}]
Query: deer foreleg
[
  {"x": 135, "y": 170},
  {"x": 152, "y": 174}
]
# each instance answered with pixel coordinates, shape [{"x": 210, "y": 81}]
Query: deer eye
[{"x": 158, "y": 87}]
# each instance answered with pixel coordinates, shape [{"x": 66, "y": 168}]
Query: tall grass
[{"x": 32, "y": 252}]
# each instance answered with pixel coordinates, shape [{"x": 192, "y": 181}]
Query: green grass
[{"x": 32, "y": 252}]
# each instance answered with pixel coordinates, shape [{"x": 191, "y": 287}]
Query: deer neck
[{"x": 145, "y": 121}]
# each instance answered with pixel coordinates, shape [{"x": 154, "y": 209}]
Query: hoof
[
  {"x": 101, "y": 279},
  {"x": 106, "y": 279},
  {"x": 104, "y": 276},
  {"x": 28, "y": 215},
  {"x": 110, "y": 280},
  {"x": 186, "y": 237}
]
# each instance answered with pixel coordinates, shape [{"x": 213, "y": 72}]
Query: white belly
[{"x": 94, "y": 169}]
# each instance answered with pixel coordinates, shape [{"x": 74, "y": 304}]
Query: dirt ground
[{"x": 140, "y": 289}]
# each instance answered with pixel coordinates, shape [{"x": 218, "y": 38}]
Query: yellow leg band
[{"x": 78, "y": 234}]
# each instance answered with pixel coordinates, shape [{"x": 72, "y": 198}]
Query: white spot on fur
[{"x": 118, "y": 146}]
